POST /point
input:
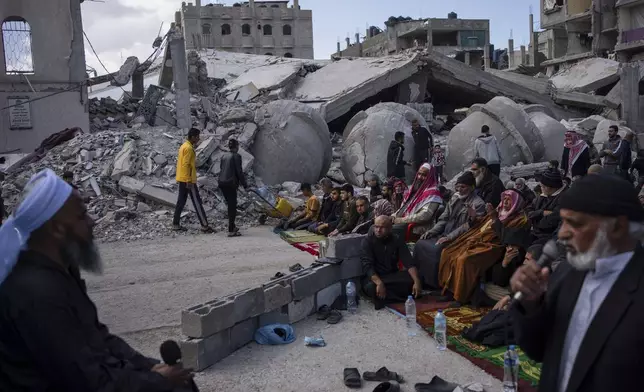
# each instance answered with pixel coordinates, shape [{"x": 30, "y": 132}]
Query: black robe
[
  {"x": 610, "y": 356},
  {"x": 51, "y": 338},
  {"x": 581, "y": 165},
  {"x": 544, "y": 227}
]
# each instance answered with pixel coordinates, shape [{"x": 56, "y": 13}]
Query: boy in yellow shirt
[
  {"x": 310, "y": 213},
  {"x": 187, "y": 180}
]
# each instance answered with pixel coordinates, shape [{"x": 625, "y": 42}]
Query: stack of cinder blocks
[{"x": 219, "y": 327}]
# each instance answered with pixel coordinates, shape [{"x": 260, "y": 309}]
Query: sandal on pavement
[
  {"x": 324, "y": 312},
  {"x": 436, "y": 385},
  {"x": 334, "y": 317},
  {"x": 352, "y": 378},
  {"x": 383, "y": 374},
  {"x": 388, "y": 386},
  {"x": 234, "y": 234},
  {"x": 295, "y": 267},
  {"x": 278, "y": 275}
]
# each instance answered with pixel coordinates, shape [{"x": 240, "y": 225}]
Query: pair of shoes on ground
[
  {"x": 204, "y": 229},
  {"x": 390, "y": 381},
  {"x": 437, "y": 384},
  {"x": 332, "y": 316}
]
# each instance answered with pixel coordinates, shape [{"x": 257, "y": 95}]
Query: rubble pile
[{"x": 107, "y": 113}]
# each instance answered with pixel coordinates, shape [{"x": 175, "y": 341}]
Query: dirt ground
[{"x": 146, "y": 284}]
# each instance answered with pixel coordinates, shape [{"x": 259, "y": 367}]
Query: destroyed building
[
  {"x": 37, "y": 82},
  {"x": 467, "y": 40},
  {"x": 252, "y": 27}
]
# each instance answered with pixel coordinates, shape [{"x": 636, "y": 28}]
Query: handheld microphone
[
  {"x": 549, "y": 254},
  {"x": 171, "y": 355}
]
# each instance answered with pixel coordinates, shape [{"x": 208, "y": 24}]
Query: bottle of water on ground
[
  {"x": 440, "y": 330},
  {"x": 511, "y": 370},
  {"x": 352, "y": 303},
  {"x": 410, "y": 312}
]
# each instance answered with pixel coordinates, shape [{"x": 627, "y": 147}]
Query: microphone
[
  {"x": 171, "y": 355},
  {"x": 549, "y": 254}
]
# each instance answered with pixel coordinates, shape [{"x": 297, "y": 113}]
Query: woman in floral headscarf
[
  {"x": 575, "y": 160},
  {"x": 501, "y": 235}
]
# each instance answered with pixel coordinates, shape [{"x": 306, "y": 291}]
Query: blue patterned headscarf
[{"x": 45, "y": 194}]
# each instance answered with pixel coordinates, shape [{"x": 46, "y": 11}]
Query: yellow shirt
[
  {"x": 186, "y": 164},
  {"x": 312, "y": 208}
]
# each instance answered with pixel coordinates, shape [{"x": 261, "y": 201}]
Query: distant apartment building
[
  {"x": 253, "y": 27},
  {"x": 467, "y": 40},
  {"x": 578, "y": 29}
]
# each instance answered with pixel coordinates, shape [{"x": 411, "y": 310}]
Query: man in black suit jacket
[{"x": 587, "y": 327}]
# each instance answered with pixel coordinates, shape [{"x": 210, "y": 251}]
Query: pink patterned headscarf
[{"x": 517, "y": 204}]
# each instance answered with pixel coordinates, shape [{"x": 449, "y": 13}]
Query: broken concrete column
[
  {"x": 293, "y": 143},
  {"x": 205, "y": 149},
  {"x": 197, "y": 75},
  {"x": 180, "y": 77},
  {"x": 367, "y": 137},
  {"x": 510, "y": 53},
  {"x": 123, "y": 161},
  {"x": 138, "y": 87},
  {"x": 630, "y": 81},
  {"x": 519, "y": 138}
]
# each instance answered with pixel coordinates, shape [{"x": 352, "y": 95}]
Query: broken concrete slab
[
  {"x": 205, "y": 149},
  {"x": 268, "y": 77},
  {"x": 164, "y": 197},
  {"x": 163, "y": 116},
  {"x": 344, "y": 83},
  {"x": 540, "y": 85},
  {"x": 525, "y": 171},
  {"x": 460, "y": 77},
  {"x": 248, "y": 134},
  {"x": 296, "y": 134},
  {"x": 123, "y": 162},
  {"x": 367, "y": 138},
  {"x": 577, "y": 99},
  {"x": 131, "y": 185},
  {"x": 236, "y": 115},
  {"x": 614, "y": 97},
  {"x": 587, "y": 75},
  {"x": 244, "y": 93},
  {"x": 247, "y": 160}
]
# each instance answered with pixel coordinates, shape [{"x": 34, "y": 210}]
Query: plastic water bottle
[
  {"x": 410, "y": 312},
  {"x": 352, "y": 304},
  {"x": 511, "y": 370},
  {"x": 440, "y": 330}
]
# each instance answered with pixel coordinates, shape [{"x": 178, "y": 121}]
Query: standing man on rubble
[
  {"x": 612, "y": 152},
  {"x": 231, "y": 177},
  {"x": 423, "y": 144},
  {"x": 487, "y": 147},
  {"x": 187, "y": 180}
]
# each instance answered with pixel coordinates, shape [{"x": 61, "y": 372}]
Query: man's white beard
[
  {"x": 599, "y": 249},
  {"x": 479, "y": 178},
  {"x": 460, "y": 196}
]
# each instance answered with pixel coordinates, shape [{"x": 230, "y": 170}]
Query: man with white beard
[
  {"x": 587, "y": 327},
  {"x": 50, "y": 335}
]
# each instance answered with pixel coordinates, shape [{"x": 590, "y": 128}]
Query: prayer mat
[
  {"x": 312, "y": 248},
  {"x": 486, "y": 358},
  {"x": 301, "y": 236}
]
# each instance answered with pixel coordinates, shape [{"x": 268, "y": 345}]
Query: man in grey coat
[
  {"x": 459, "y": 216},
  {"x": 487, "y": 147}
]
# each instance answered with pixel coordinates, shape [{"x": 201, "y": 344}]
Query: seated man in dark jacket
[
  {"x": 365, "y": 216},
  {"x": 544, "y": 212},
  {"x": 383, "y": 282},
  {"x": 329, "y": 215},
  {"x": 50, "y": 336},
  {"x": 488, "y": 186},
  {"x": 349, "y": 215}
]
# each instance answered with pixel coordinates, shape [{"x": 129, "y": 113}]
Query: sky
[{"x": 122, "y": 28}]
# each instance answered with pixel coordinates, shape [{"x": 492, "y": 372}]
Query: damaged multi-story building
[
  {"x": 579, "y": 29},
  {"x": 467, "y": 40},
  {"x": 42, "y": 71},
  {"x": 252, "y": 27}
]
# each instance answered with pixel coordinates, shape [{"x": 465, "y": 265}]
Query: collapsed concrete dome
[
  {"x": 292, "y": 144},
  {"x": 519, "y": 138},
  {"x": 552, "y": 131},
  {"x": 367, "y": 137}
]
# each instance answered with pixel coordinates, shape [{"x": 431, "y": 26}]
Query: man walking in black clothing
[
  {"x": 396, "y": 157},
  {"x": 231, "y": 177},
  {"x": 423, "y": 144}
]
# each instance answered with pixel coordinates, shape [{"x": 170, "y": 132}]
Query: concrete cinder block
[
  {"x": 314, "y": 281},
  {"x": 278, "y": 316},
  {"x": 207, "y": 319},
  {"x": 201, "y": 353},
  {"x": 351, "y": 268},
  {"x": 299, "y": 310},
  {"x": 131, "y": 185},
  {"x": 328, "y": 295},
  {"x": 243, "y": 333},
  {"x": 345, "y": 246},
  {"x": 277, "y": 296},
  {"x": 248, "y": 303}
]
